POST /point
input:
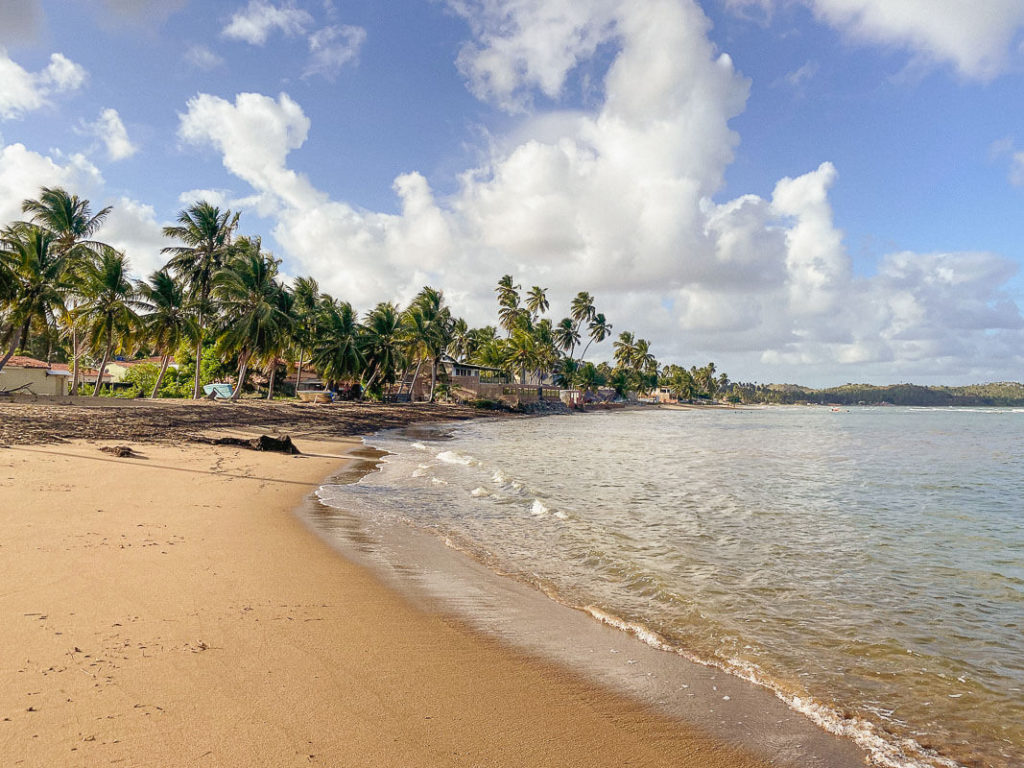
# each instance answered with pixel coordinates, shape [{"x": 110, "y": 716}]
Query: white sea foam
[
  {"x": 438, "y": 481},
  {"x": 421, "y": 470},
  {"x": 454, "y": 457},
  {"x": 887, "y": 754},
  {"x": 478, "y": 492},
  {"x": 538, "y": 508},
  {"x": 418, "y": 446},
  {"x": 499, "y": 477}
]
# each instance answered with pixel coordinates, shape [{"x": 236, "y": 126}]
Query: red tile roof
[{"x": 20, "y": 361}]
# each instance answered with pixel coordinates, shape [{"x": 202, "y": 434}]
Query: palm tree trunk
[
  {"x": 243, "y": 369},
  {"x": 74, "y": 357},
  {"x": 433, "y": 379},
  {"x": 273, "y": 373},
  {"x": 103, "y": 367},
  {"x": 298, "y": 372},
  {"x": 164, "y": 362},
  {"x": 405, "y": 373},
  {"x": 415, "y": 376},
  {"x": 10, "y": 352},
  {"x": 199, "y": 348},
  {"x": 370, "y": 383}
]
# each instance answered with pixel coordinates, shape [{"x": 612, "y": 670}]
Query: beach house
[{"x": 33, "y": 377}]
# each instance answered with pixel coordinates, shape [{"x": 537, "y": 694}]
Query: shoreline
[
  {"x": 160, "y": 616},
  {"x": 525, "y": 617}
]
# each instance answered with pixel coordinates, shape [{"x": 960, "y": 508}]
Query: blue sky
[{"x": 813, "y": 191}]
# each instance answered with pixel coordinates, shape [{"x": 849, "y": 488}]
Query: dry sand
[{"x": 170, "y": 610}]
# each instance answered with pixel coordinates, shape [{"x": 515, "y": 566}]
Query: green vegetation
[
  {"x": 219, "y": 310},
  {"x": 219, "y": 302}
]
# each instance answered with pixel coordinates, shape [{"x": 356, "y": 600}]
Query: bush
[
  {"x": 121, "y": 393},
  {"x": 143, "y": 376}
]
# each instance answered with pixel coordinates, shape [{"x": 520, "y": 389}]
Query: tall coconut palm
[
  {"x": 582, "y": 310},
  {"x": 524, "y": 352},
  {"x": 537, "y": 302},
  {"x": 272, "y": 356},
  {"x": 68, "y": 217},
  {"x": 382, "y": 343},
  {"x": 169, "y": 319},
  {"x": 625, "y": 350},
  {"x": 73, "y": 224},
  {"x": 510, "y": 314},
  {"x": 109, "y": 312},
  {"x": 566, "y": 335},
  {"x": 336, "y": 353},
  {"x": 431, "y": 323},
  {"x": 205, "y": 233},
  {"x": 253, "y": 322},
  {"x": 38, "y": 280},
  {"x": 306, "y": 292},
  {"x": 599, "y": 330},
  {"x": 462, "y": 340}
]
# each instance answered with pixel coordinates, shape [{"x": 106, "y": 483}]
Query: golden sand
[{"x": 170, "y": 610}]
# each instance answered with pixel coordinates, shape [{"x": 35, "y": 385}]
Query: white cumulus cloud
[
  {"x": 110, "y": 130},
  {"x": 24, "y": 172},
  {"x": 977, "y": 39},
  {"x": 333, "y": 47},
  {"x": 22, "y": 91},
  {"x": 620, "y": 201},
  {"x": 254, "y": 23}
]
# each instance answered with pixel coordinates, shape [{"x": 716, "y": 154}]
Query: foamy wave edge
[{"x": 883, "y": 753}]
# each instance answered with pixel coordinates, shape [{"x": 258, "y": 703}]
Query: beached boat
[
  {"x": 219, "y": 391},
  {"x": 315, "y": 396}
]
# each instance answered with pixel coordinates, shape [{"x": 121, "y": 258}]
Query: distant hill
[{"x": 1003, "y": 393}]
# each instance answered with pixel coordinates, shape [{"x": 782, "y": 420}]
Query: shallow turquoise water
[{"x": 866, "y": 565}]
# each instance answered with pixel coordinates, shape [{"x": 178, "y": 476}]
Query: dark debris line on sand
[{"x": 177, "y": 422}]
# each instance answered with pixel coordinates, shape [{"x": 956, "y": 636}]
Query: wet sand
[{"x": 170, "y": 609}]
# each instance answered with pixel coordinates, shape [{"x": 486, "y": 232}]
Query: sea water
[{"x": 866, "y": 565}]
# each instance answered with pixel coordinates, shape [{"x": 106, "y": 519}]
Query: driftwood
[
  {"x": 261, "y": 443},
  {"x": 121, "y": 451}
]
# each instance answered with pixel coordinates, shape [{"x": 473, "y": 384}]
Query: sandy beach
[{"x": 170, "y": 609}]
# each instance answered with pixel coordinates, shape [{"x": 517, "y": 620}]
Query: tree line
[{"x": 219, "y": 304}]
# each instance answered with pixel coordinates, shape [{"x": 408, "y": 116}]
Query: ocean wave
[{"x": 454, "y": 457}]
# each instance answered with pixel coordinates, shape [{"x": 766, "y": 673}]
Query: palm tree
[
  {"x": 169, "y": 319},
  {"x": 510, "y": 314},
  {"x": 600, "y": 329},
  {"x": 206, "y": 233},
  {"x": 68, "y": 217},
  {"x": 280, "y": 345},
  {"x": 582, "y": 310},
  {"x": 383, "y": 334},
  {"x": 524, "y": 352},
  {"x": 307, "y": 296},
  {"x": 253, "y": 322},
  {"x": 462, "y": 340},
  {"x": 73, "y": 224},
  {"x": 566, "y": 336},
  {"x": 109, "y": 310},
  {"x": 625, "y": 350},
  {"x": 430, "y": 330},
  {"x": 336, "y": 352},
  {"x": 537, "y": 302},
  {"x": 38, "y": 279}
]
